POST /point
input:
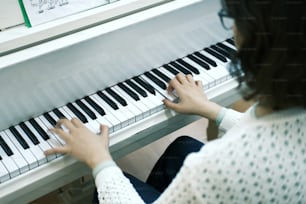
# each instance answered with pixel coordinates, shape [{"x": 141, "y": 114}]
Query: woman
[{"x": 262, "y": 156}]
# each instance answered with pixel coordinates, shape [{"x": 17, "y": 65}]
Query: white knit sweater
[{"x": 258, "y": 160}]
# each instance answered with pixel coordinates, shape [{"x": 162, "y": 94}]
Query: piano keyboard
[{"x": 119, "y": 106}]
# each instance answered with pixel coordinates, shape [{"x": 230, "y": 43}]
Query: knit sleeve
[{"x": 114, "y": 187}]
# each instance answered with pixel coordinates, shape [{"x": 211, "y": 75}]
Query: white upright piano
[{"x": 106, "y": 65}]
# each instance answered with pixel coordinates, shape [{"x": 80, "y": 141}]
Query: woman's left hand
[{"x": 81, "y": 143}]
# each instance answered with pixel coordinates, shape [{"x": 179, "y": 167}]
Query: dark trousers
[{"x": 164, "y": 170}]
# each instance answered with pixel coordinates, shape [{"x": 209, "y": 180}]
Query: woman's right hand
[{"x": 192, "y": 99}]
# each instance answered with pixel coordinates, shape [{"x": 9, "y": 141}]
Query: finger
[
  {"x": 199, "y": 84},
  {"x": 190, "y": 78},
  {"x": 173, "y": 84},
  {"x": 171, "y": 105},
  {"x": 170, "y": 89},
  {"x": 104, "y": 135},
  {"x": 104, "y": 130},
  {"x": 77, "y": 123},
  {"x": 61, "y": 133},
  {"x": 181, "y": 78},
  {"x": 57, "y": 150},
  {"x": 66, "y": 123}
]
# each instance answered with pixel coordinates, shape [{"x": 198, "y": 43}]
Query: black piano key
[
  {"x": 137, "y": 88},
  {"x": 231, "y": 41},
  {"x": 116, "y": 96},
  {"x": 161, "y": 75},
  {"x": 39, "y": 129},
  {"x": 93, "y": 104},
  {"x": 228, "y": 49},
  {"x": 156, "y": 80},
  {"x": 77, "y": 112},
  {"x": 19, "y": 138},
  {"x": 221, "y": 51},
  {"x": 5, "y": 147},
  {"x": 206, "y": 59},
  {"x": 129, "y": 91},
  {"x": 171, "y": 69},
  {"x": 215, "y": 54},
  {"x": 180, "y": 68},
  {"x": 29, "y": 133},
  {"x": 50, "y": 119},
  {"x": 89, "y": 112},
  {"x": 145, "y": 85},
  {"x": 198, "y": 61},
  {"x": 58, "y": 113},
  {"x": 107, "y": 100},
  {"x": 188, "y": 66}
]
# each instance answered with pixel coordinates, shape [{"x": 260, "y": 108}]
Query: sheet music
[{"x": 41, "y": 11}]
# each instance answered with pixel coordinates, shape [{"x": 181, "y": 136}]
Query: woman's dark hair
[{"x": 272, "y": 49}]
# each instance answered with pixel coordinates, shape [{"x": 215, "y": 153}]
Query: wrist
[
  {"x": 101, "y": 166},
  {"x": 97, "y": 159},
  {"x": 211, "y": 110}
]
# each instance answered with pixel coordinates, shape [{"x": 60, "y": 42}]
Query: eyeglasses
[{"x": 226, "y": 20}]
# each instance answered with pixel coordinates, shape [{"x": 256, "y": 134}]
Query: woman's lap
[{"x": 164, "y": 170}]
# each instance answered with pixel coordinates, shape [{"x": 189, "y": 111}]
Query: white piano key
[
  {"x": 149, "y": 104},
  {"x": 220, "y": 69},
  {"x": 44, "y": 145},
  {"x": 116, "y": 123},
  {"x": 212, "y": 73},
  {"x": 45, "y": 125},
  {"x": 166, "y": 72},
  {"x": 65, "y": 113},
  {"x": 125, "y": 112},
  {"x": 69, "y": 115},
  {"x": 110, "y": 111},
  {"x": 93, "y": 125},
  {"x": 195, "y": 76},
  {"x": 206, "y": 79},
  {"x": 133, "y": 113},
  {"x": 9, "y": 164},
  {"x": 229, "y": 45},
  {"x": 48, "y": 126},
  {"x": 4, "y": 174},
  {"x": 27, "y": 154},
  {"x": 35, "y": 149},
  {"x": 156, "y": 99},
  {"x": 157, "y": 88},
  {"x": 17, "y": 156},
  {"x": 100, "y": 119},
  {"x": 56, "y": 118},
  {"x": 137, "y": 107}
]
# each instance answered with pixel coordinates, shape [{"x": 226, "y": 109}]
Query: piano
[{"x": 107, "y": 65}]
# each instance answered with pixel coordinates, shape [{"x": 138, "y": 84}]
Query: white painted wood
[
  {"x": 21, "y": 37},
  {"x": 10, "y": 14}
]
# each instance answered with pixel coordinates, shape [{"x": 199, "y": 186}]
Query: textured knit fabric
[{"x": 258, "y": 160}]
